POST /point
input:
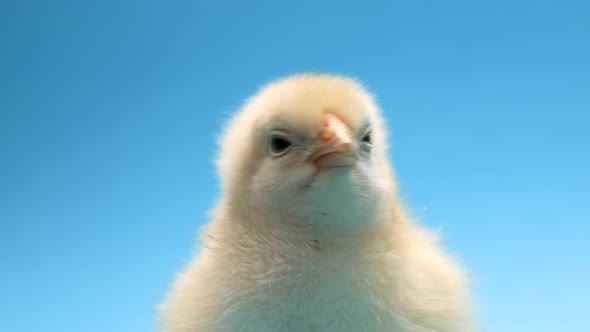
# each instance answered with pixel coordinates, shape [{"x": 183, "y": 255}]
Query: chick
[{"x": 309, "y": 233}]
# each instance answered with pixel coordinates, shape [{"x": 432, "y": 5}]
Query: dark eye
[
  {"x": 367, "y": 138},
  {"x": 279, "y": 144}
]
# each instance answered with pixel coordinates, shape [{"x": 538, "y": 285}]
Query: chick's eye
[
  {"x": 279, "y": 144},
  {"x": 367, "y": 138}
]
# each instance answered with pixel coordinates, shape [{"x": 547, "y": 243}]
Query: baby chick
[{"x": 309, "y": 233}]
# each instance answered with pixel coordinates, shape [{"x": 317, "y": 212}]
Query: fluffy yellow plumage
[{"x": 309, "y": 234}]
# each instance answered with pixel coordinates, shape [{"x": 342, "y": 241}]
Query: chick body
[{"x": 295, "y": 247}]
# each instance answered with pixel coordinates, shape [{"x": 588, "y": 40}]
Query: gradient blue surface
[{"x": 110, "y": 110}]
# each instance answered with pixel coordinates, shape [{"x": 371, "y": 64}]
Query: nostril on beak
[{"x": 326, "y": 133}]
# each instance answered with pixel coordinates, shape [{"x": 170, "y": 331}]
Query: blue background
[{"x": 110, "y": 110}]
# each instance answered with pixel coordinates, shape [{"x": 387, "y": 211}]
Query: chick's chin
[
  {"x": 300, "y": 193},
  {"x": 341, "y": 197}
]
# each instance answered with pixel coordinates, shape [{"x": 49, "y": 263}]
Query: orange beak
[{"x": 337, "y": 143}]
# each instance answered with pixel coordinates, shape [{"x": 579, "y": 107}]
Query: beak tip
[{"x": 345, "y": 147}]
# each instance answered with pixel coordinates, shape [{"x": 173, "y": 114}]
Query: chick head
[{"x": 310, "y": 149}]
